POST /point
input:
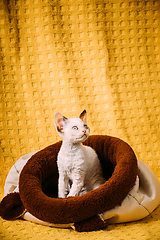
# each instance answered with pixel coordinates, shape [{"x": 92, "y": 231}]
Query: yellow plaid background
[{"x": 102, "y": 56}]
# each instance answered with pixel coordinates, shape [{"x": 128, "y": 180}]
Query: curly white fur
[{"x": 79, "y": 167}]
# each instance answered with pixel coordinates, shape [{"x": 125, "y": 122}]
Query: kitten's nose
[{"x": 84, "y": 131}]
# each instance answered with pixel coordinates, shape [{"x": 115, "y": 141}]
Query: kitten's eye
[
  {"x": 85, "y": 126},
  {"x": 75, "y": 128}
]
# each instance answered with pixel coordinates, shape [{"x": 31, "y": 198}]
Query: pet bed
[{"x": 131, "y": 190}]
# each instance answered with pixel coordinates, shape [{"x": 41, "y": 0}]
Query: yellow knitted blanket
[{"x": 71, "y": 55}]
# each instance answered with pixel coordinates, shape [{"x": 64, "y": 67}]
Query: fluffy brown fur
[
  {"x": 117, "y": 159},
  {"x": 11, "y": 207}
]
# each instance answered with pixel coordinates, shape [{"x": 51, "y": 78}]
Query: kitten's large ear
[
  {"x": 59, "y": 121},
  {"x": 83, "y": 116}
]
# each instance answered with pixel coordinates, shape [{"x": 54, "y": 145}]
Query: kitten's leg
[
  {"x": 78, "y": 183},
  {"x": 62, "y": 186}
]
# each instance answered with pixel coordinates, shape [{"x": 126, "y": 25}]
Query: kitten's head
[{"x": 74, "y": 130}]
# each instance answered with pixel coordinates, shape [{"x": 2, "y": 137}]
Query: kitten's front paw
[
  {"x": 72, "y": 194},
  {"x": 62, "y": 195}
]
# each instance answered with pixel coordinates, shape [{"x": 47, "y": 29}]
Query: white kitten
[{"x": 79, "y": 167}]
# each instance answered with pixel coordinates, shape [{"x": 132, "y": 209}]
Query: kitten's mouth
[{"x": 84, "y": 135}]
